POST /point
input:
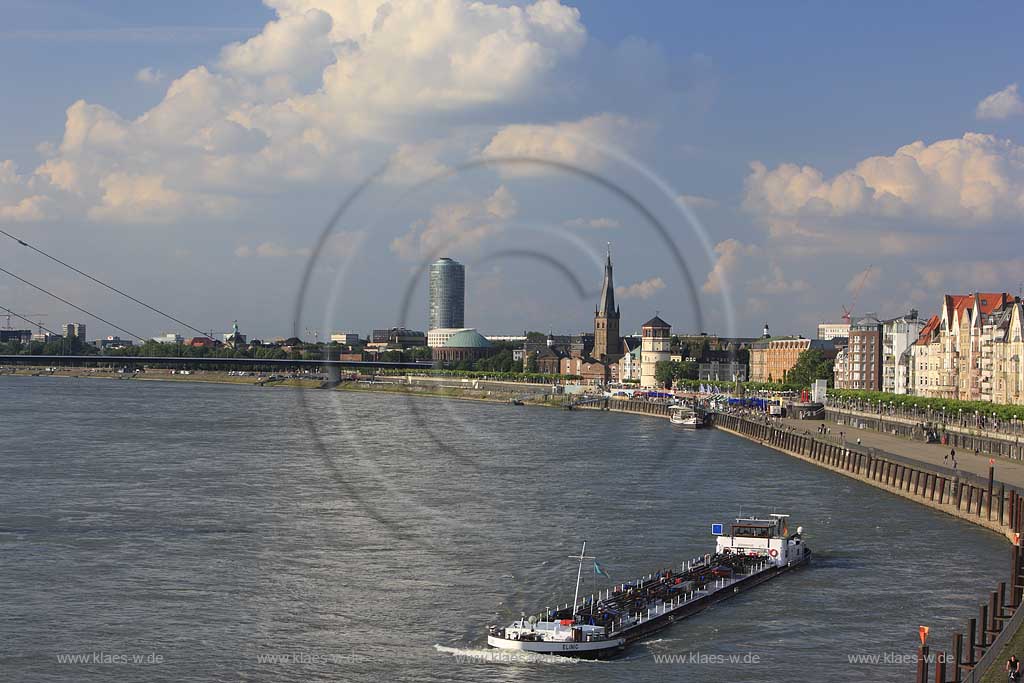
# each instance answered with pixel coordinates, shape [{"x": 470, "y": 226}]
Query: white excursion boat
[
  {"x": 599, "y": 626},
  {"x": 686, "y": 416}
]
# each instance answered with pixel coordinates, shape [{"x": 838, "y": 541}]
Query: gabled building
[
  {"x": 1008, "y": 371},
  {"x": 954, "y": 356}
]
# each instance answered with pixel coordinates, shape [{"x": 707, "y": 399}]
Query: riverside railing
[
  {"x": 1002, "y": 443},
  {"x": 977, "y": 419}
]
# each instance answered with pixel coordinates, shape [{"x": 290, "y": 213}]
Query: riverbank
[
  {"x": 478, "y": 390},
  {"x": 989, "y": 504},
  {"x": 162, "y": 375}
]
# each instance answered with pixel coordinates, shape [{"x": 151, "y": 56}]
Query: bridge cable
[
  {"x": 31, "y": 322},
  {"x": 77, "y": 308},
  {"x": 101, "y": 282}
]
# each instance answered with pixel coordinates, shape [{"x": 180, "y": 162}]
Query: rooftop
[{"x": 468, "y": 339}]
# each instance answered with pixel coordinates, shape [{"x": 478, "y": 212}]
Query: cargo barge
[{"x": 748, "y": 553}]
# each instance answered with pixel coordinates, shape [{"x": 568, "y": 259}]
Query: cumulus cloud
[
  {"x": 149, "y": 75},
  {"x": 1001, "y": 105},
  {"x": 412, "y": 163},
  {"x": 324, "y": 92},
  {"x": 965, "y": 181},
  {"x": 730, "y": 252},
  {"x": 576, "y": 143},
  {"x": 19, "y": 201},
  {"x": 748, "y": 267},
  {"x": 641, "y": 290},
  {"x": 598, "y": 223},
  {"x": 456, "y": 225}
]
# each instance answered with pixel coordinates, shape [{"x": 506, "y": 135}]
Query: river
[{"x": 182, "y": 531}]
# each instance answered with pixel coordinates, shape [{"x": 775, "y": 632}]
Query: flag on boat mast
[{"x": 600, "y": 571}]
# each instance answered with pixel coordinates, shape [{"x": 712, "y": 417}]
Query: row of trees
[{"x": 949, "y": 407}]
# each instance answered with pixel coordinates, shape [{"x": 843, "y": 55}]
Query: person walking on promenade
[{"x": 1013, "y": 669}]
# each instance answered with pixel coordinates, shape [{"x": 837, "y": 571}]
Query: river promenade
[
  {"x": 934, "y": 455},
  {"x": 921, "y": 472}
]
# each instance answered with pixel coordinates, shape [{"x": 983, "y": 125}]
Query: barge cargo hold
[{"x": 600, "y": 626}]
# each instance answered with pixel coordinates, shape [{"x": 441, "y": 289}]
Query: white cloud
[
  {"x": 149, "y": 75},
  {"x": 641, "y": 290},
  {"x": 324, "y": 92},
  {"x": 965, "y": 181},
  {"x": 1001, "y": 105},
  {"x": 730, "y": 252},
  {"x": 295, "y": 46},
  {"x": 576, "y": 143},
  {"x": 456, "y": 226},
  {"x": 19, "y": 200},
  {"x": 415, "y": 162},
  {"x": 601, "y": 223},
  {"x": 696, "y": 201},
  {"x": 750, "y": 268},
  {"x": 129, "y": 198}
]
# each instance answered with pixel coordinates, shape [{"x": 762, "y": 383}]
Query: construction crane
[
  {"x": 23, "y": 316},
  {"x": 847, "y": 312}
]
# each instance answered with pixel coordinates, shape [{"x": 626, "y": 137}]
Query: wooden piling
[
  {"x": 922, "y": 664},
  {"x": 958, "y": 656},
  {"x": 991, "y": 478},
  {"x": 940, "y": 667},
  {"x": 982, "y": 630},
  {"x": 972, "y": 632}
]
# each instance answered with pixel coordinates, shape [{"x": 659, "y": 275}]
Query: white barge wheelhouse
[{"x": 752, "y": 551}]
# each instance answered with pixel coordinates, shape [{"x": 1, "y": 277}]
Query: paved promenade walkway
[{"x": 1008, "y": 471}]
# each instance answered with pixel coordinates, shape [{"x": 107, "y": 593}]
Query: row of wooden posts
[{"x": 984, "y": 503}]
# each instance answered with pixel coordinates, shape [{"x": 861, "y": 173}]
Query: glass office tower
[{"x": 447, "y": 294}]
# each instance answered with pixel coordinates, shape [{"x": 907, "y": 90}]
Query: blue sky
[{"x": 209, "y": 205}]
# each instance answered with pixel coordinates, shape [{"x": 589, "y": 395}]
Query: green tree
[
  {"x": 664, "y": 372},
  {"x": 687, "y": 369},
  {"x": 811, "y": 365}
]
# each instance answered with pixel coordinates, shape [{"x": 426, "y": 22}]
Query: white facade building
[
  {"x": 346, "y": 338},
  {"x": 630, "y": 365},
  {"x": 439, "y": 336},
  {"x": 828, "y": 331},
  {"x": 655, "y": 345},
  {"x": 898, "y": 336}
]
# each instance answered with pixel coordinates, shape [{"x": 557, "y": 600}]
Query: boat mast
[{"x": 579, "y": 573}]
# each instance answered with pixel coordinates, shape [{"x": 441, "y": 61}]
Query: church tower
[{"x": 607, "y": 343}]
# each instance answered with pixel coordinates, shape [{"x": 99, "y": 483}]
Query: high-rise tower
[
  {"x": 607, "y": 344},
  {"x": 447, "y": 294}
]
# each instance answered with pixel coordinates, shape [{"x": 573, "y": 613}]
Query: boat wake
[{"x": 495, "y": 656}]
